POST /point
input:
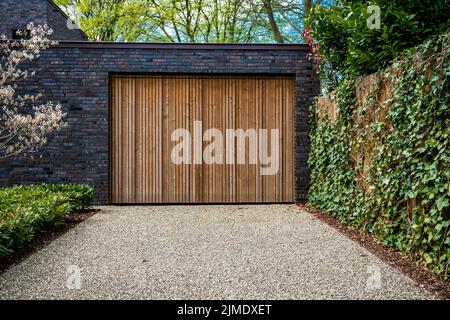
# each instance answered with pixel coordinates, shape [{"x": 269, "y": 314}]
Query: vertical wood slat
[{"x": 145, "y": 110}]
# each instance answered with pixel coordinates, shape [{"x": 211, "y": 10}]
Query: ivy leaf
[{"x": 442, "y": 203}]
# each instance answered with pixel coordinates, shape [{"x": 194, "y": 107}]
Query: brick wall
[
  {"x": 16, "y": 14},
  {"x": 78, "y": 78}
]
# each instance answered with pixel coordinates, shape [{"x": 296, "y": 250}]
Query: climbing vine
[{"x": 383, "y": 165}]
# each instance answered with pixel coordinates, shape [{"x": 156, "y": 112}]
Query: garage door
[{"x": 202, "y": 139}]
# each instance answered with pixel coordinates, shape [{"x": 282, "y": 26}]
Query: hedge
[
  {"x": 24, "y": 210},
  {"x": 350, "y": 48}
]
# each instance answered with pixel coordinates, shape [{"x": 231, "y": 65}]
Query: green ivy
[{"x": 410, "y": 157}]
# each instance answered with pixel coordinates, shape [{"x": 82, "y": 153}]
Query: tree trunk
[
  {"x": 307, "y": 6},
  {"x": 273, "y": 24}
]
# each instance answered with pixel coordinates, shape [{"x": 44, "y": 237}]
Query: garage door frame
[{"x": 206, "y": 75}]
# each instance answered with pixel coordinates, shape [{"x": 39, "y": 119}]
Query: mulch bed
[
  {"x": 43, "y": 238},
  {"x": 405, "y": 264}
]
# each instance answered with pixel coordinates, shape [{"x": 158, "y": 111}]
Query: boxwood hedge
[{"x": 24, "y": 210}]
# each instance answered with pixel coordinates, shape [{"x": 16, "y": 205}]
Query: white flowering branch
[{"x": 24, "y": 124}]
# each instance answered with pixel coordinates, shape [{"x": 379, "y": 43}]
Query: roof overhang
[{"x": 182, "y": 46}]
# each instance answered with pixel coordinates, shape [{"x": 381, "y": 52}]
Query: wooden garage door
[{"x": 149, "y": 114}]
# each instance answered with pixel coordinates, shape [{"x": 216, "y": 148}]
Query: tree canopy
[{"x": 207, "y": 21}]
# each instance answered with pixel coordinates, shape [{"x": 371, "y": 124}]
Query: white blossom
[{"x": 24, "y": 124}]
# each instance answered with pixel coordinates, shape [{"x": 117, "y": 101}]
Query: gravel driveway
[{"x": 205, "y": 252}]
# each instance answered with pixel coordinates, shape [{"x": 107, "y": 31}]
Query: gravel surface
[{"x": 205, "y": 252}]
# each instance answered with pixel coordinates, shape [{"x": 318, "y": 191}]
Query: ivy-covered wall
[{"x": 380, "y": 160}]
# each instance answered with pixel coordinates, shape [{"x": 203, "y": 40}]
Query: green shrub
[
  {"x": 349, "y": 48},
  {"x": 81, "y": 196},
  {"x": 26, "y": 209}
]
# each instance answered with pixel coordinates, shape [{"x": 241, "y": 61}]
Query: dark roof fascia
[{"x": 182, "y": 46}]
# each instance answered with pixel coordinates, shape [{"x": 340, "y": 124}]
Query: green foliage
[
  {"x": 24, "y": 210},
  {"x": 407, "y": 205},
  {"x": 80, "y": 196},
  {"x": 350, "y": 48},
  {"x": 109, "y": 20},
  {"x": 208, "y": 21}
]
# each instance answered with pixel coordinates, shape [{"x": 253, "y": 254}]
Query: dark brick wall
[
  {"x": 78, "y": 78},
  {"x": 16, "y": 14}
]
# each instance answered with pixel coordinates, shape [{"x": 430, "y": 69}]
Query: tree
[
  {"x": 272, "y": 22},
  {"x": 24, "y": 123},
  {"x": 205, "y": 20},
  {"x": 348, "y": 47},
  {"x": 107, "y": 20},
  {"x": 166, "y": 20},
  {"x": 285, "y": 18},
  {"x": 210, "y": 21}
]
